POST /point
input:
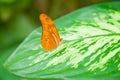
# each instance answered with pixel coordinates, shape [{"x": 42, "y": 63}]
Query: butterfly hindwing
[{"x": 47, "y": 41}]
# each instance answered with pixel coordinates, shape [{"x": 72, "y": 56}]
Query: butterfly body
[{"x": 50, "y": 36}]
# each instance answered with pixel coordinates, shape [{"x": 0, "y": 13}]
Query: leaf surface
[{"x": 90, "y": 47}]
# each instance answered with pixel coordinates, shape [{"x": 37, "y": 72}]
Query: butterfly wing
[
  {"x": 50, "y": 35},
  {"x": 47, "y": 41}
]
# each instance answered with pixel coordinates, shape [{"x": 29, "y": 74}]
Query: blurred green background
[{"x": 20, "y": 17}]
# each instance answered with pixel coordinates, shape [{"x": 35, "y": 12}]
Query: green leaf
[
  {"x": 5, "y": 75},
  {"x": 89, "y": 48}
]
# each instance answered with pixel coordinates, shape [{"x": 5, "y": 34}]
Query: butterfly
[{"x": 50, "y": 36}]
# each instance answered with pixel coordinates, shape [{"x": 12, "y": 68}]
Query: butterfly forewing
[{"x": 50, "y": 35}]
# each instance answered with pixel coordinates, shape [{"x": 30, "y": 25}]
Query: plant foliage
[{"x": 90, "y": 47}]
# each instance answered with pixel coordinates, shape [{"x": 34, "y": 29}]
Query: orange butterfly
[{"x": 50, "y": 36}]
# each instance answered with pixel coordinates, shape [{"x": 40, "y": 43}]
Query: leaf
[
  {"x": 89, "y": 48},
  {"x": 5, "y": 75}
]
